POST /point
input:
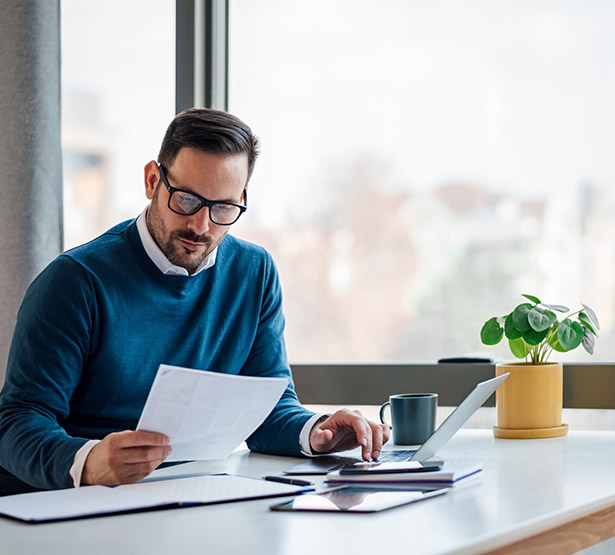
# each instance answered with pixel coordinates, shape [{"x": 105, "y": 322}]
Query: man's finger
[
  {"x": 134, "y": 455},
  {"x": 135, "y": 472},
  {"x": 323, "y": 437},
  {"x": 364, "y": 435},
  {"x": 138, "y": 438},
  {"x": 376, "y": 441}
]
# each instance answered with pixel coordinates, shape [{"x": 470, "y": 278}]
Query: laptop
[{"x": 327, "y": 463}]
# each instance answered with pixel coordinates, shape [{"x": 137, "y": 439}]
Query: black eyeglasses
[{"x": 186, "y": 204}]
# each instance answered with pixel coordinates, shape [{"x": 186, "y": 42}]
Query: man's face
[{"x": 187, "y": 240}]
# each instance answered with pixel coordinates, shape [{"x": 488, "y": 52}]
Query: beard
[{"x": 168, "y": 241}]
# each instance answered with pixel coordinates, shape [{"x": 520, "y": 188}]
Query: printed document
[{"x": 207, "y": 414}]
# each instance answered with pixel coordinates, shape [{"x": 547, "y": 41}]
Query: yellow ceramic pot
[{"x": 529, "y": 402}]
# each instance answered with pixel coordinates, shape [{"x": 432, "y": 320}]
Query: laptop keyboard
[
  {"x": 396, "y": 455},
  {"x": 392, "y": 455},
  {"x": 328, "y": 463}
]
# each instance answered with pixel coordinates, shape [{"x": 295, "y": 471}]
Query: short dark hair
[{"x": 211, "y": 131}]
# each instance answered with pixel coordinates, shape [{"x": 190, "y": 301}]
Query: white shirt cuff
[
  {"x": 304, "y": 436},
  {"x": 76, "y": 470}
]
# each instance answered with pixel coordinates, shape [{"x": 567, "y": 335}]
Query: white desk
[{"x": 527, "y": 487}]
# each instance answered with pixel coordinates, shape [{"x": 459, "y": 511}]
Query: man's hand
[
  {"x": 124, "y": 458},
  {"x": 347, "y": 429}
]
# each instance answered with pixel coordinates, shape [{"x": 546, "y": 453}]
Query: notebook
[
  {"x": 448, "y": 475},
  {"x": 328, "y": 463},
  {"x": 91, "y": 501}
]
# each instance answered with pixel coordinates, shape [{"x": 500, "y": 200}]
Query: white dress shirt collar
[{"x": 158, "y": 257}]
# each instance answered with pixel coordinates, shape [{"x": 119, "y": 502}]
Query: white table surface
[{"x": 526, "y": 487}]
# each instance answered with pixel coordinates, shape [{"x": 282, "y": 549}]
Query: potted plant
[{"x": 529, "y": 402}]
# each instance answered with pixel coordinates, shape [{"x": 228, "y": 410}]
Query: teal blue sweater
[{"x": 95, "y": 325}]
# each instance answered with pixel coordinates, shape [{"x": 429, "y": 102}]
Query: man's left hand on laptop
[{"x": 348, "y": 429}]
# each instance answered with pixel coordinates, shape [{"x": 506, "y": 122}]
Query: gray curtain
[{"x": 30, "y": 151}]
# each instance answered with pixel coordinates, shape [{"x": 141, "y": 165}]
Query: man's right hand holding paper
[{"x": 125, "y": 458}]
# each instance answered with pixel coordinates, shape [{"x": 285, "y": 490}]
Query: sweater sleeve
[
  {"x": 279, "y": 433},
  {"x": 48, "y": 350}
]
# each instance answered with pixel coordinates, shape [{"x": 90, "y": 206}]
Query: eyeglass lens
[{"x": 220, "y": 213}]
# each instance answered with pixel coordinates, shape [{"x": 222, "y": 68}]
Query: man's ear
[{"x": 152, "y": 176}]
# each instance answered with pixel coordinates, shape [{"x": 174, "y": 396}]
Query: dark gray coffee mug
[{"x": 413, "y": 416}]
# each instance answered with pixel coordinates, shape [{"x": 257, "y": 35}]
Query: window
[
  {"x": 426, "y": 163},
  {"x": 118, "y": 96}
]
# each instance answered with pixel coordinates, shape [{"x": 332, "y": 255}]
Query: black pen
[{"x": 290, "y": 481}]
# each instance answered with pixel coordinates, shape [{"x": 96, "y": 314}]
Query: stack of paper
[{"x": 449, "y": 474}]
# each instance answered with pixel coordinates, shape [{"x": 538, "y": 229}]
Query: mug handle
[{"x": 384, "y": 406}]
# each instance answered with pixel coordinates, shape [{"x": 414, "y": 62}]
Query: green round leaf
[
  {"x": 578, "y": 328},
  {"x": 491, "y": 332},
  {"x": 533, "y": 337},
  {"x": 532, "y": 298},
  {"x": 592, "y": 316},
  {"x": 585, "y": 322},
  {"x": 557, "y": 346},
  {"x": 570, "y": 334},
  {"x": 520, "y": 316},
  {"x": 558, "y": 307},
  {"x": 519, "y": 348},
  {"x": 511, "y": 331},
  {"x": 540, "y": 319},
  {"x": 554, "y": 341},
  {"x": 588, "y": 341}
]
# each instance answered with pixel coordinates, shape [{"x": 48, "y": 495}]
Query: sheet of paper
[
  {"x": 210, "y": 489},
  {"x": 207, "y": 414}
]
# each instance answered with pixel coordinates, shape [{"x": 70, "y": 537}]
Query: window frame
[{"x": 201, "y": 54}]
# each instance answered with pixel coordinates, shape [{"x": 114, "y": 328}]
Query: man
[{"x": 169, "y": 287}]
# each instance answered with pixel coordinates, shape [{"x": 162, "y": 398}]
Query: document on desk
[
  {"x": 66, "y": 504},
  {"x": 207, "y": 414},
  {"x": 214, "y": 488},
  {"x": 90, "y": 501}
]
